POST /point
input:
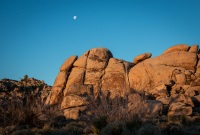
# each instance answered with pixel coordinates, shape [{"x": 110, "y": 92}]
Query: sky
[{"x": 37, "y": 36}]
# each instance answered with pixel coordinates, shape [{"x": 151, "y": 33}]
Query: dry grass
[
  {"x": 107, "y": 116},
  {"x": 112, "y": 117},
  {"x": 19, "y": 111},
  {"x": 30, "y": 116}
]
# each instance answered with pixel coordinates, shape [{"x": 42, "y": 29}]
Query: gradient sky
[{"x": 36, "y": 36}]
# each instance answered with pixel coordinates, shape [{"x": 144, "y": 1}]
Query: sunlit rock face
[{"x": 171, "y": 79}]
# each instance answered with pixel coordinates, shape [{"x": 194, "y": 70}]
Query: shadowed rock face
[{"x": 172, "y": 78}]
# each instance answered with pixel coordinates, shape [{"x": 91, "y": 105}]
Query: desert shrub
[
  {"x": 183, "y": 119},
  {"x": 98, "y": 124},
  {"x": 26, "y": 111},
  {"x": 133, "y": 123},
  {"x": 173, "y": 129},
  {"x": 174, "y": 119},
  {"x": 106, "y": 111},
  {"x": 113, "y": 109},
  {"x": 113, "y": 128},
  {"x": 146, "y": 130},
  {"x": 103, "y": 111},
  {"x": 18, "y": 111},
  {"x": 176, "y": 130},
  {"x": 116, "y": 130},
  {"x": 149, "y": 129},
  {"x": 187, "y": 120},
  {"x": 67, "y": 130},
  {"x": 23, "y": 132}
]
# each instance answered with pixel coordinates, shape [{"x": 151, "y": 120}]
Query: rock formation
[
  {"x": 22, "y": 89},
  {"x": 171, "y": 80}
]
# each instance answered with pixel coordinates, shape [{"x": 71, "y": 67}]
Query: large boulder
[
  {"x": 98, "y": 58},
  {"x": 76, "y": 76},
  {"x": 56, "y": 96},
  {"x": 95, "y": 69},
  {"x": 75, "y": 100},
  {"x": 115, "y": 78},
  {"x": 159, "y": 70},
  {"x": 194, "y": 49},
  {"x": 181, "y": 98},
  {"x": 59, "y": 85},
  {"x": 160, "y": 90},
  {"x": 60, "y": 80},
  {"x": 179, "y": 47},
  {"x": 153, "y": 108},
  {"x": 82, "y": 60},
  {"x": 141, "y": 57},
  {"x": 179, "y": 109},
  {"x": 68, "y": 63},
  {"x": 171, "y": 80}
]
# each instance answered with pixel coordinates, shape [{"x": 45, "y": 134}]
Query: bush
[
  {"x": 133, "y": 123},
  {"x": 106, "y": 111},
  {"x": 113, "y": 128},
  {"x": 19, "y": 111},
  {"x": 98, "y": 124},
  {"x": 174, "y": 119},
  {"x": 30, "y": 111},
  {"x": 187, "y": 120}
]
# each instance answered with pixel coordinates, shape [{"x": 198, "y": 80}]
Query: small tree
[{"x": 25, "y": 77}]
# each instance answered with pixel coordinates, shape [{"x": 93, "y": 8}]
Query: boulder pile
[
  {"x": 28, "y": 87},
  {"x": 170, "y": 81}
]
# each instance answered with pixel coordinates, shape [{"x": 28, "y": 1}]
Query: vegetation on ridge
[{"x": 22, "y": 111}]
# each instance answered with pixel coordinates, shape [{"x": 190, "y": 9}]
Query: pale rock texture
[
  {"x": 115, "y": 78},
  {"x": 82, "y": 61},
  {"x": 68, "y": 63},
  {"x": 153, "y": 107},
  {"x": 163, "y": 99},
  {"x": 159, "y": 70},
  {"x": 71, "y": 101},
  {"x": 194, "y": 49},
  {"x": 160, "y": 90},
  {"x": 73, "y": 113},
  {"x": 97, "y": 59},
  {"x": 85, "y": 76},
  {"x": 197, "y": 74},
  {"x": 141, "y": 57},
  {"x": 179, "y": 47},
  {"x": 135, "y": 103},
  {"x": 76, "y": 76},
  {"x": 75, "y": 100},
  {"x": 167, "y": 83},
  {"x": 56, "y": 94},
  {"x": 60, "y": 80},
  {"x": 179, "y": 109},
  {"x": 95, "y": 69},
  {"x": 190, "y": 92},
  {"x": 181, "y": 98}
]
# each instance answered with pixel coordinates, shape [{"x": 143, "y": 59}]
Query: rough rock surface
[
  {"x": 179, "y": 47},
  {"x": 171, "y": 80},
  {"x": 141, "y": 57},
  {"x": 28, "y": 87}
]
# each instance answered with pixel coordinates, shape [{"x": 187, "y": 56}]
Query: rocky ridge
[
  {"x": 23, "y": 88},
  {"x": 169, "y": 82}
]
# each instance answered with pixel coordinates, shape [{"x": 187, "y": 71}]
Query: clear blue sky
[{"x": 36, "y": 36}]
